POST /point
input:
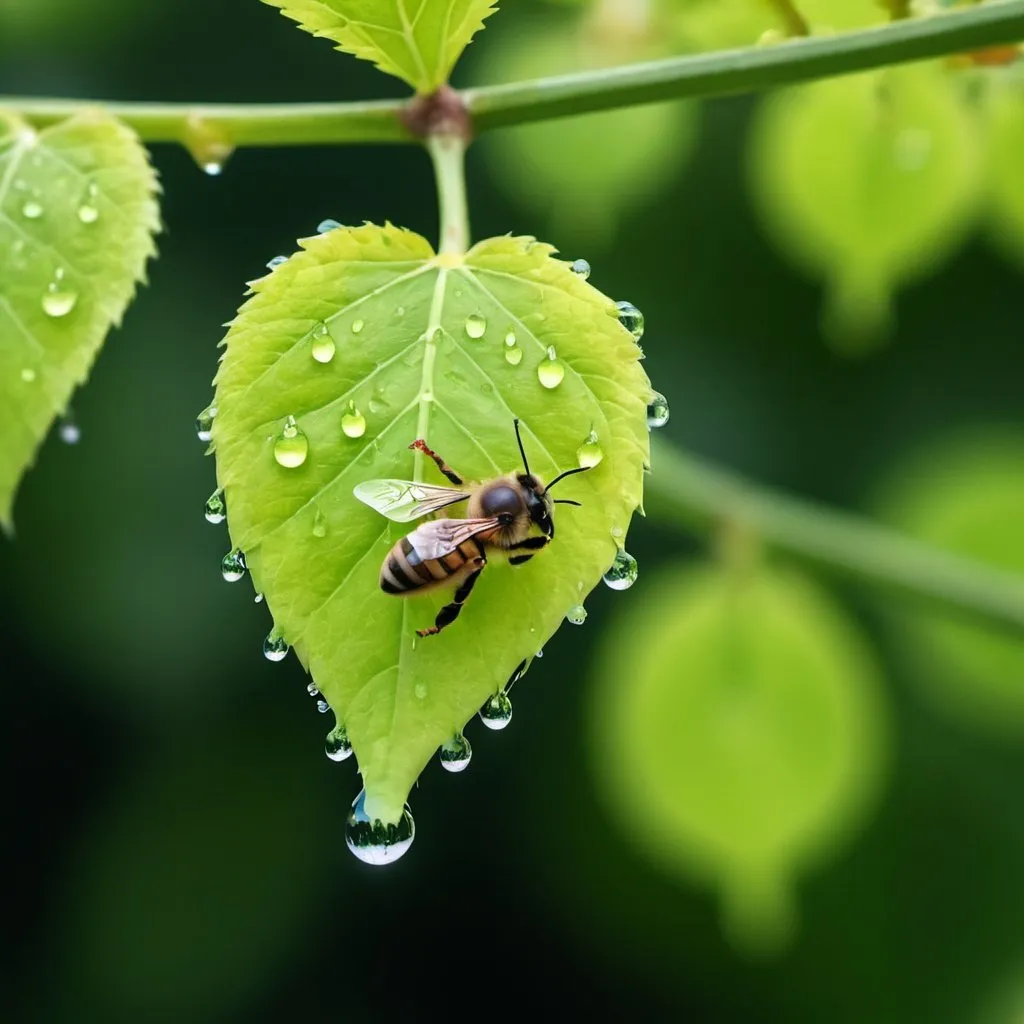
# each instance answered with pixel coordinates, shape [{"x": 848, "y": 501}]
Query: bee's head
[{"x": 539, "y": 503}]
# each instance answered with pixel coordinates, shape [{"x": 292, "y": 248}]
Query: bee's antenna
[
  {"x": 522, "y": 450},
  {"x": 568, "y": 472},
  {"x": 566, "y": 501}
]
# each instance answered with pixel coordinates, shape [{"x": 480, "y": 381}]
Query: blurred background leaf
[
  {"x": 965, "y": 494},
  {"x": 737, "y": 735},
  {"x": 592, "y": 172}
]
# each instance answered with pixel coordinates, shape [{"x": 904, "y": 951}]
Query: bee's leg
[
  {"x": 421, "y": 446},
  {"x": 450, "y": 612},
  {"x": 531, "y": 544}
]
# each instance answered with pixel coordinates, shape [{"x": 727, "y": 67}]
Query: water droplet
[
  {"x": 28, "y": 375},
  {"x": 58, "y": 299},
  {"x": 207, "y": 143},
  {"x": 212, "y": 168},
  {"x": 327, "y": 225},
  {"x": 631, "y": 318},
  {"x": 420, "y": 689},
  {"x": 623, "y": 573},
  {"x": 616, "y": 532},
  {"x": 400, "y": 311},
  {"x": 337, "y": 745},
  {"x": 540, "y": 653},
  {"x": 276, "y": 262},
  {"x": 550, "y": 371},
  {"x": 577, "y": 615},
  {"x": 232, "y": 565},
  {"x": 589, "y": 454},
  {"x": 216, "y": 509},
  {"x": 514, "y": 355},
  {"x": 581, "y": 267},
  {"x": 475, "y": 325},
  {"x": 456, "y": 754},
  {"x": 257, "y": 599},
  {"x": 496, "y": 712},
  {"x": 353, "y": 424},
  {"x": 312, "y": 689},
  {"x": 657, "y": 411},
  {"x": 323, "y": 343},
  {"x": 510, "y": 339},
  {"x": 70, "y": 433},
  {"x": 204, "y": 423},
  {"x": 323, "y": 707},
  {"x": 319, "y": 524},
  {"x": 374, "y": 842},
  {"x": 275, "y": 648},
  {"x": 291, "y": 446},
  {"x": 88, "y": 211},
  {"x": 32, "y": 209},
  {"x": 357, "y": 326}
]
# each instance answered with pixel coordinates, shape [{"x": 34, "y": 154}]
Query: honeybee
[{"x": 500, "y": 514}]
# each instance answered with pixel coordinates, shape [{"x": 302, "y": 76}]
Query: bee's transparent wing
[
  {"x": 441, "y": 537},
  {"x": 403, "y": 500}
]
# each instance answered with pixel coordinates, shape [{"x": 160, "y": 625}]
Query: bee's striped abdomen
[{"x": 404, "y": 571}]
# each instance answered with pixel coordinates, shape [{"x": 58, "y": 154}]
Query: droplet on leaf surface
[{"x": 291, "y": 446}]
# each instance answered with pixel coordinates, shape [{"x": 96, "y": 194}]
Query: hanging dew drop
[
  {"x": 31, "y": 209},
  {"x": 514, "y": 355},
  {"x": 216, "y": 510},
  {"x": 276, "y": 262},
  {"x": 581, "y": 268},
  {"x": 312, "y": 689},
  {"x": 275, "y": 647},
  {"x": 323, "y": 343},
  {"x": 657, "y": 411},
  {"x": 70, "y": 433},
  {"x": 631, "y": 318},
  {"x": 623, "y": 573},
  {"x": 291, "y": 446},
  {"x": 327, "y": 225},
  {"x": 496, "y": 712},
  {"x": 357, "y": 326},
  {"x": 589, "y": 454},
  {"x": 319, "y": 524},
  {"x": 337, "y": 746},
  {"x": 353, "y": 423},
  {"x": 456, "y": 754},
  {"x": 58, "y": 299},
  {"x": 577, "y": 615},
  {"x": 204, "y": 423},
  {"x": 476, "y": 325},
  {"x": 232, "y": 565},
  {"x": 88, "y": 211},
  {"x": 323, "y": 707},
  {"x": 375, "y": 842},
  {"x": 550, "y": 371}
]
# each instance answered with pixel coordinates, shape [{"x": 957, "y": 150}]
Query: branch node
[{"x": 440, "y": 113}]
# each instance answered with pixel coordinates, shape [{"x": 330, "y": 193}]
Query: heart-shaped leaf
[
  {"x": 418, "y": 41},
  {"x": 77, "y": 218},
  {"x": 359, "y": 344}
]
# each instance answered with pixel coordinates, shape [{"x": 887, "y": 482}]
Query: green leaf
[
  {"x": 407, "y": 363},
  {"x": 77, "y": 218},
  {"x": 738, "y": 734},
  {"x": 1004, "y": 108},
  {"x": 868, "y": 181},
  {"x": 586, "y": 173},
  {"x": 965, "y": 494},
  {"x": 418, "y": 41}
]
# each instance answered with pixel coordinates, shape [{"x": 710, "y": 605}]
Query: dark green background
[{"x": 173, "y": 832}]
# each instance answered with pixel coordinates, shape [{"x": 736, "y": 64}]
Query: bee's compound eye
[{"x": 501, "y": 501}]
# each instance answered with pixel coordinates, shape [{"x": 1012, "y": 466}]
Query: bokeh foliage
[{"x": 113, "y": 589}]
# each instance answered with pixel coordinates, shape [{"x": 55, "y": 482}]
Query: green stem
[
  {"x": 249, "y": 124},
  {"x": 748, "y": 70},
  {"x": 448, "y": 155},
  {"x": 686, "y": 489},
  {"x": 711, "y": 74}
]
